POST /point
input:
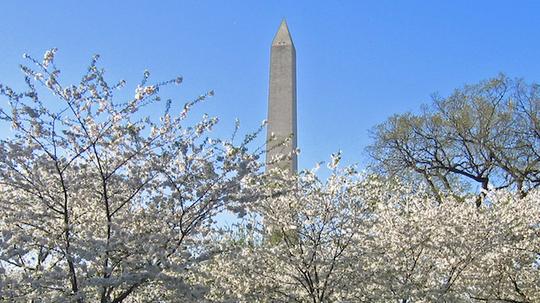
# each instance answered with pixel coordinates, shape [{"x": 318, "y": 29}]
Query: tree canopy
[
  {"x": 361, "y": 238},
  {"x": 102, "y": 203},
  {"x": 482, "y": 135}
]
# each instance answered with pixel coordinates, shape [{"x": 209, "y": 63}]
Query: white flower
[
  {"x": 149, "y": 90},
  {"x": 49, "y": 57}
]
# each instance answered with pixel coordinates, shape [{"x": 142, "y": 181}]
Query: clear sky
[{"x": 358, "y": 61}]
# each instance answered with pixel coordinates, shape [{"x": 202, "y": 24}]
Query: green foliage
[{"x": 481, "y": 136}]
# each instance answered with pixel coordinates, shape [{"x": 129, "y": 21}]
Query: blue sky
[{"x": 358, "y": 61}]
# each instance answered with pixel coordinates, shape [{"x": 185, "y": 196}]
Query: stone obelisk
[{"x": 282, "y": 101}]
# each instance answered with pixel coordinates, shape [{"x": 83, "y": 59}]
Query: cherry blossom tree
[
  {"x": 358, "y": 238},
  {"x": 101, "y": 203},
  {"x": 423, "y": 251},
  {"x": 301, "y": 249}
]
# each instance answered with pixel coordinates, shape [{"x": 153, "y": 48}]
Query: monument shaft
[{"x": 282, "y": 101}]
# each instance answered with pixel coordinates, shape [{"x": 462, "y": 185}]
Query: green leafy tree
[{"x": 481, "y": 136}]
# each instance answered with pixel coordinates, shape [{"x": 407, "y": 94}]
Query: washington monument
[{"x": 282, "y": 100}]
